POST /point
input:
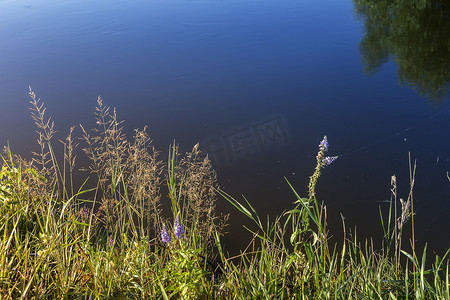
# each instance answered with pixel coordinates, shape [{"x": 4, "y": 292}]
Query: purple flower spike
[
  {"x": 324, "y": 144},
  {"x": 110, "y": 241},
  {"x": 178, "y": 228},
  {"x": 328, "y": 160},
  {"x": 165, "y": 237}
]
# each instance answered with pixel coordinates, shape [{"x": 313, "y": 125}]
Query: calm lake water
[{"x": 258, "y": 84}]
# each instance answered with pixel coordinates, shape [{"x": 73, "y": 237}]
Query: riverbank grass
[{"x": 130, "y": 226}]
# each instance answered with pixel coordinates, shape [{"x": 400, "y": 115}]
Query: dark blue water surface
[{"x": 258, "y": 84}]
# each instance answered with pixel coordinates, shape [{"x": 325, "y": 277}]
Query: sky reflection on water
[{"x": 202, "y": 71}]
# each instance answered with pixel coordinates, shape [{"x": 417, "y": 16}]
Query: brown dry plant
[
  {"x": 128, "y": 173},
  {"x": 196, "y": 185}
]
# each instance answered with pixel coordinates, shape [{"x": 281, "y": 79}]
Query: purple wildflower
[
  {"x": 110, "y": 241},
  {"x": 165, "y": 237},
  {"x": 178, "y": 228},
  {"x": 328, "y": 160},
  {"x": 324, "y": 144},
  {"x": 83, "y": 212}
]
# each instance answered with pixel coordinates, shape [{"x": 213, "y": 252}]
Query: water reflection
[{"x": 416, "y": 34}]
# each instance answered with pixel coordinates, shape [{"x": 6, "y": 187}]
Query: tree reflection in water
[{"x": 416, "y": 33}]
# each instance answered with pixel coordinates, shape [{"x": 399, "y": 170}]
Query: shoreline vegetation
[{"x": 113, "y": 241}]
